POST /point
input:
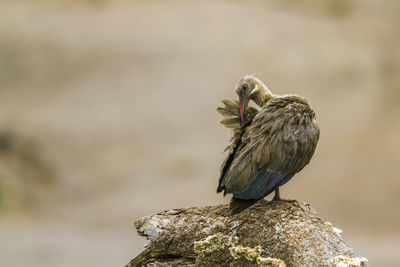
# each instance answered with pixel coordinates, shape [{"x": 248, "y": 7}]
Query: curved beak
[{"x": 243, "y": 103}]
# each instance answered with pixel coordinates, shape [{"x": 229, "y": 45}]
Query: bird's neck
[{"x": 263, "y": 96}]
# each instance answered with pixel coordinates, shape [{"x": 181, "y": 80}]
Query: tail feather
[{"x": 239, "y": 205}]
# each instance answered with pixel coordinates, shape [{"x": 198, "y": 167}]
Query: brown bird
[{"x": 268, "y": 146}]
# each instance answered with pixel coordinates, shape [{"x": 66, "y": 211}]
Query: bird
[{"x": 269, "y": 145}]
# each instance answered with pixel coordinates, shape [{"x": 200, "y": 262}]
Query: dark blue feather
[{"x": 261, "y": 184}]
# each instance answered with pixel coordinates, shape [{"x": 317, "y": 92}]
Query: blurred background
[{"x": 107, "y": 114}]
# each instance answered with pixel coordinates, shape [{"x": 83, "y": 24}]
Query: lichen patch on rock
[
  {"x": 344, "y": 261},
  {"x": 270, "y": 262},
  {"x": 154, "y": 226},
  {"x": 254, "y": 254},
  {"x": 214, "y": 242},
  {"x": 239, "y": 251}
]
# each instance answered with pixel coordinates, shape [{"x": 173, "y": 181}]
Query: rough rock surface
[{"x": 266, "y": 234}]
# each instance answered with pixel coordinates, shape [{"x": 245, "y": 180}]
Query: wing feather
[{"x": 232, "y": 120}]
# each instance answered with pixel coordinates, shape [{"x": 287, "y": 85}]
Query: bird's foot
[
  {"x": 277, "y": 197},
  {"x": 285, "y": 200}
]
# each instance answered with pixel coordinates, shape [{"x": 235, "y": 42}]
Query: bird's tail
[{"x": 239, "y": 205}]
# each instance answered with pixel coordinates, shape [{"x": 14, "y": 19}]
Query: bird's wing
[
  {"x": 231, "y": 113},
  {"x": 279, "y": 142},
  {"x": 232, "y": 120}
]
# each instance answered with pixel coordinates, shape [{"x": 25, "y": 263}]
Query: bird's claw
[{"x": 284, "y": 200}]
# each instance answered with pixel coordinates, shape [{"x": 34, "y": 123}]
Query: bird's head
[{"x": 250, "y": 88}]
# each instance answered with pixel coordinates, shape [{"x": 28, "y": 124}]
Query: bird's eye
[{"x": 245, "y": 86}]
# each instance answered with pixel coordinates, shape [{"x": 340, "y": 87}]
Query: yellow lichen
[
  {"x": 249, "y": 253},
  {"x": 344, "y": 261},
  {"x": 253, "y": 254},
  {"x": 213, "y": 243},
  {"x": 270, "y": 262}
]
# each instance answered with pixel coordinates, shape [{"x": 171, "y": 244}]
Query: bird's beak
[{"x": 243, "y": 103}]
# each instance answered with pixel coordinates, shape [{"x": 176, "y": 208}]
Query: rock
[{"x": 278, "y": 233}]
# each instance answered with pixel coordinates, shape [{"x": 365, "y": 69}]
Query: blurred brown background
[{"x": 107, "y": 114}]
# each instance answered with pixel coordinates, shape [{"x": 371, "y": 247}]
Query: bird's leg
[{"x": 277, "y": 196}]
